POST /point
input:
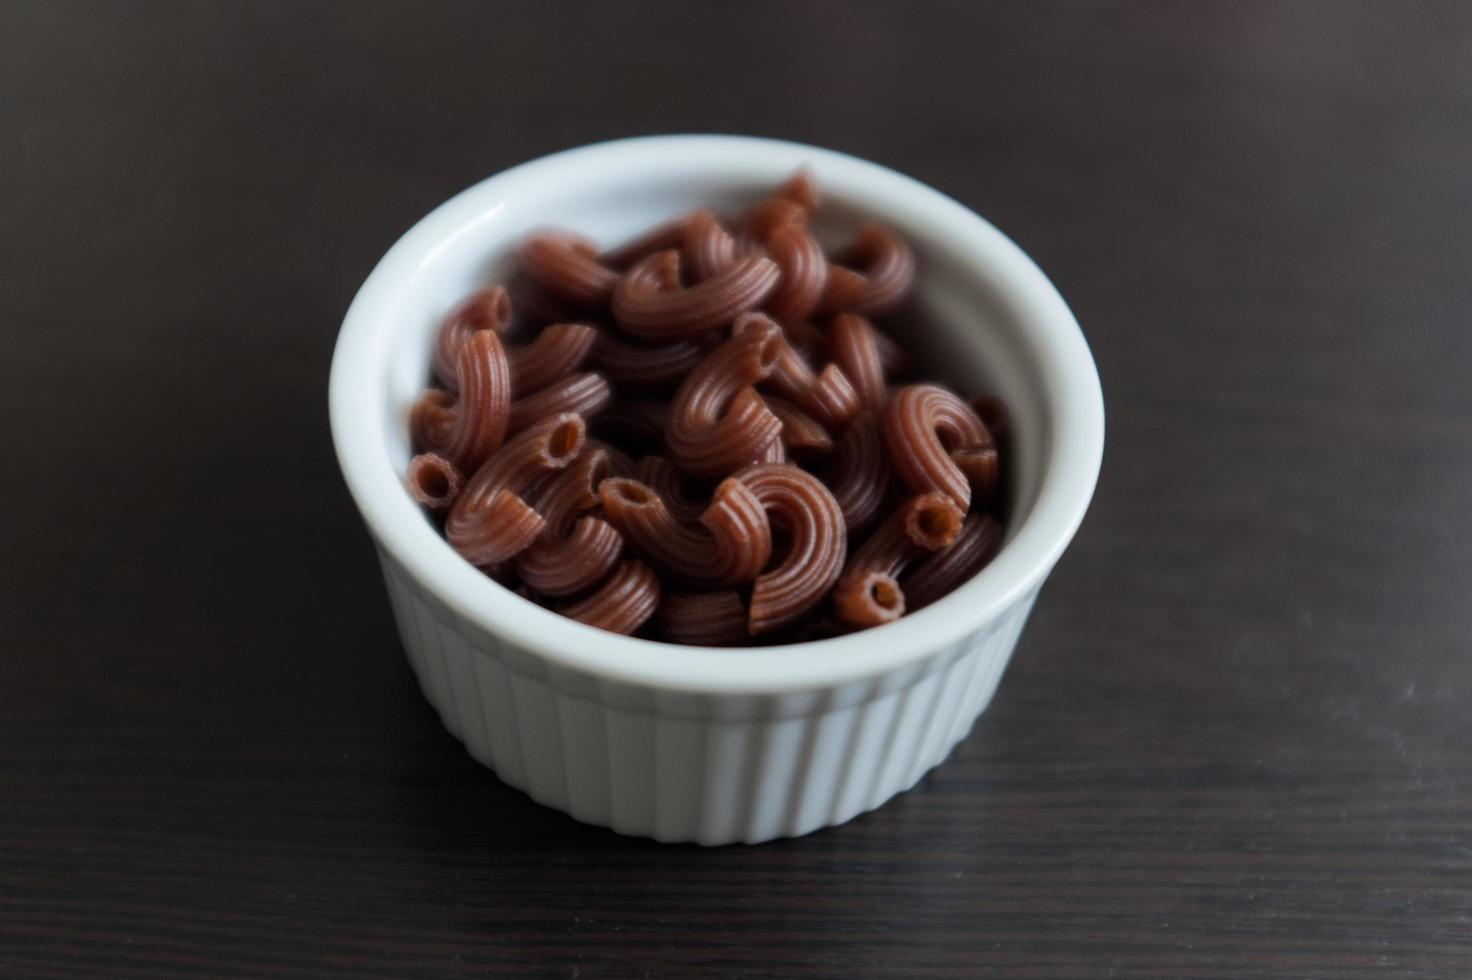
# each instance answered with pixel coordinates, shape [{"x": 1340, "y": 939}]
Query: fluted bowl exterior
[{"x": 696, "y": 744}]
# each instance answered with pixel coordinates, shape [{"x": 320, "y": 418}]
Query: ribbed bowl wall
[{"x": 713, "y": 769}]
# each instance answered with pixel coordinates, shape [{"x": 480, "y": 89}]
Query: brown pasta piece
[
  {"x": 875, "y": 276},
  {"x": 801, "y": 433},
  {"x": 717, "y": 422},
  {"x": 483, "y": 410},
  {"x": 804, "y": 271},
  {"x": 567, "y": 267},
  {"x": 621, "y": 604},
  {"x": 556, "y": 352},
  {"x": 491, "y": 522},
  {"x": 852, "y": 345},
  {"x": 434, "y": 481},
  {"x": 941, "y": 573},
  {"x": 762, "y": 219},
  {"x": 761, "y": 556},
  {"x": 861, "y": 472},
  {"x": 729, "y": 546},
  {"x": 706, "y": 619},
  {"x": 637, "y": 423},
  {"x": 667, "y": 236},
  {"x": 778, "y": 226},
  {"x": 708, "y": 248},
  {"x": 485, "y": 309},
  {"x": 800, "y": 503},
  {"x": 936, "y": 442},
  {"x": 634, "y": 364},
  {"x": 575, "y": 550},
  {"x": 585, "y": 394},
  {"x": 662, "y": 476},
  {"x": 431, "y": 419},
  {"x": 868, "y": 592},
  {"x": 801, "y": 189},
  {"x": 647, "y": 308},
  {"x": 827, "y": 396}
]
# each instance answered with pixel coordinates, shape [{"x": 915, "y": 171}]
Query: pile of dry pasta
[{"x": 701, "y": 437}]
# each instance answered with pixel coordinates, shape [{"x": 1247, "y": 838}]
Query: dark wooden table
[{"x": 1234, "y": 741}]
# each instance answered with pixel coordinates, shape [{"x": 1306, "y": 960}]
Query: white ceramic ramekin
[{"x": 686, "y": 743}]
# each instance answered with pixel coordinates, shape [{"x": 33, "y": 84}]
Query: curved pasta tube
[
  {"x": 559, "y": 350},
  {"x": 585, "y": 394},
  {"x": 868, "y": 592},
  {"x": 827, "y": 396},
  {"x": 483, "y": 410},
  {"x": 434, "y": 481},
  {"x": 621, "y": 604},
  {"x": 762, "y": 219},
  {"x": 853, "y": 346},
  {"x": 646, "y": 307},
  {"x": 875, "y": 278},
  {"x": 708, "y": 248},
  {"x": 707, "y": 619},
  {"x": 801, "y": 433},
  {"x": 431, "y": 419},
  {"x": 803, "y": 506},
  {"x": 491, "y": 522},
  {"x": 861, "y": 472},
  {"x": 729, "y": 546},
  {"x": 801, "y": 189},
  {"x": 642, "y": 365},
  {"x": 662, "y": 476},
  {"x": 804, "y": 271},
  {"x": 717, "y": 422},
  {"x": 567, "y": 267},
  {"x": 486, "y": 309},
  {"x": 938, "y": 575},
  {"x": 778, "y": 226},
  {"x": 936, "y": 442},
  {"x": 575, "y": 550}
]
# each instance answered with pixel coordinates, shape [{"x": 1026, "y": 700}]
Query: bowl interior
[
  {"x": 985, "y": 319},
  {"x": 960, "y": 330}
]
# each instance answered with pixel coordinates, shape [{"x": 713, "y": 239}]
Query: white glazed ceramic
[{"x": 687, "y": 743}]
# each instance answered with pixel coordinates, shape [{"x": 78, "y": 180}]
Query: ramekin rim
[{"x": 1070, "y": 470}]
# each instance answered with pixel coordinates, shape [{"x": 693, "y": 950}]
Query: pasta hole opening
[
  {"x": 886, "y": 594},
  {"x": 432, "y": 481},
  {"x": 935, "y": 522},
  {"x": 565, "y": 441}
]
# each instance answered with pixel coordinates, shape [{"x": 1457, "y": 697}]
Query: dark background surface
[{"x": 1234, "y": 739}]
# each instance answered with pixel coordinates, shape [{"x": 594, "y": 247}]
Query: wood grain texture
[{"x": 1234, "y": 740}]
